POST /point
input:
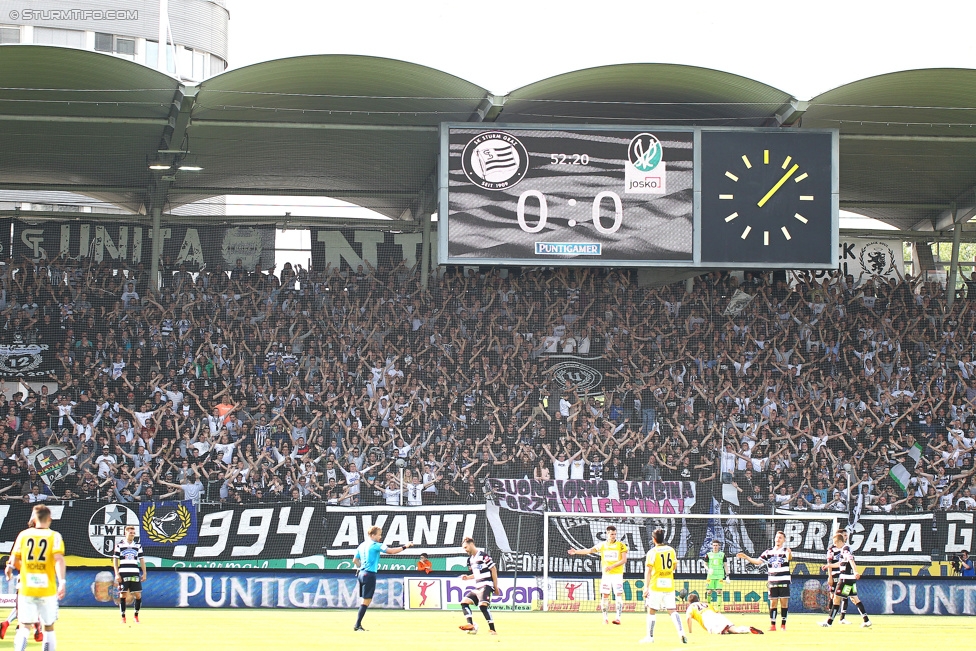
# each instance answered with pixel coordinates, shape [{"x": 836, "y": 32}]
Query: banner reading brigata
[{"x": 593, "y": 496}]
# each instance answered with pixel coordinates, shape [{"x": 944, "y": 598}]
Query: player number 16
[{"x": 618, "y": 212}]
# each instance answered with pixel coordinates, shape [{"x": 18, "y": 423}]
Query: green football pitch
[{"x": 84, "y": 629}]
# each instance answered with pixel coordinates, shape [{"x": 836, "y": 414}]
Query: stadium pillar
[
  {"x": 425, "y": 251},
  {"x": 954, "y": 262},
  {"x": 157, "y": 246}
]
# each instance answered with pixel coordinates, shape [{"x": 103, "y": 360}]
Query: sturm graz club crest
[
  {"x": 108, "y": 524},
  {"x": 579, "y": 373},
  {"x": 495, "y": 160},
  {"x": 166, "y": 524}
]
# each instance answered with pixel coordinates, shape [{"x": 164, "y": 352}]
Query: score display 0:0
[{"x": 618, "y": 212}]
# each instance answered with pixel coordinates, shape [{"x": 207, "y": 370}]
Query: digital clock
[{"x": 768, "y": 197}]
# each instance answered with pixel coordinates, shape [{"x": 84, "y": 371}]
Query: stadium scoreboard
[{"x": 552, "y": 195}]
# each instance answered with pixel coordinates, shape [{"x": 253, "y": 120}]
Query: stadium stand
[{"x": 246, "y": 387}]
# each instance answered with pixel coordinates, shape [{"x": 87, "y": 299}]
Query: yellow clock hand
[{"x": 778, "y": 185}]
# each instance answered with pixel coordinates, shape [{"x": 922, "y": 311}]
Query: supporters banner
[
  {"x": 6, "y": 224},
  {"x": 93, "y": 588},
  {"x": 348, "y": 249},
  {"x": 261, "y": 536},
  {"x": 51, "y": 463},
  {"x": 737, "y": 303},
  {"x": 434, "y": 530},
  {"x": 593, "y": 496},
  {"x": 195, "y": 246},
  {"x": 19, "y": 360},
  {"x": 585, "y": 374},
  {"x": 867, "y": 258},
  {"x": 875, "y": 538},
  {"x": 312, "y": 536}
]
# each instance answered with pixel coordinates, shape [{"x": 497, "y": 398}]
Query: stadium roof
[{"x": 365, "y": 129}]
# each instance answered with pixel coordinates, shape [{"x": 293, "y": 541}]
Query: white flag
[{"x": 738, "y": 303}]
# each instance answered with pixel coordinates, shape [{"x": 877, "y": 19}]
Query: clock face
[{"x": 766, "y": 198}]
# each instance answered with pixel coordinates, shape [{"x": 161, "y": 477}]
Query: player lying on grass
[{"x": 713, "y": 622}]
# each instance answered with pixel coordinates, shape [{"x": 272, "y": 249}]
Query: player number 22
[{"x": 41, "y": 550}]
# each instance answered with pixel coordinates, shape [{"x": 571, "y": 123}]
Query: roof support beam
[
  {"x": 244, "y": 124},
  {"x": 791, "y": 113},
  {"x": 291, "y": 192},
  {"x": 962, "y": 140},
  {"x": 78, "y": 119},
  {"x": 282, "y": 221},
  {"x": 894, "y": 204},
  {"x": 489, "y": 109},
  {"x": 157, "y": 189},
  {"x": 954, "y": 261},
  {"x": 959, "y": 212}
]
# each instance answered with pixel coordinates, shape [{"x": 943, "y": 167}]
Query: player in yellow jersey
[
  {"x": 613, "y": 558},
  {"x": 713, "y": 622},
  {"x": 659, "y": 586},
  {"x": 38, "y": 553}
]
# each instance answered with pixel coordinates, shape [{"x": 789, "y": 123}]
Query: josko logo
[
  {"x": 645, "y": 171},
  {"x": 166, "y": 524},
  {"x": 495, "y": 160}
]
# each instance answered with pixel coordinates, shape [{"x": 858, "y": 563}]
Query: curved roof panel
[
  {"x": 332, "y": 88},
  {"x": 648, "y": 93},
  {"x": 933, "y": 102},
  {"x": 365, "y": 129},
  {"x": 73, "y": 119},
  {"x": 908, "y": 143}
]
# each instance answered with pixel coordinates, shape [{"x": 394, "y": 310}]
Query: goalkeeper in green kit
[{"x": 718, "y": 570}]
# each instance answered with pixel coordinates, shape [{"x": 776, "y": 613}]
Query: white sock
[
  {"x": 676, "y": 618},
  {"x": 605, "y": 605},
  {"x": 20, "y": 640},
  {"x": 650, "y": 624},
  {"x": 50, "y": 642},
  {"x": 12, "y": 616},
  {"x": 620, "y": 608}
]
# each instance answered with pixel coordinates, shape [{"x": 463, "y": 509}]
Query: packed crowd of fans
[{"x": 246, "y": 386}]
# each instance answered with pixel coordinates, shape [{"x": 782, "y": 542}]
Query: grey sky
[{"x": 801, "y": 48}]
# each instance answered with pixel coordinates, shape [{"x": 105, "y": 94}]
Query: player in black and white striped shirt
[
  {"x": 846, "y": 587},
  {"x": 833, "y": 572},
  {"x": 130, "y": 570},
  {"x": 777, "y": 562},
  {"x": 485, "y": 577}
]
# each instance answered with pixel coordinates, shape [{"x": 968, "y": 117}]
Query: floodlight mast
[{"x": 163, "y": 29}]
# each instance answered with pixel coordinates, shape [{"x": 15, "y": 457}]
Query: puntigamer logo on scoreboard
[
  {"x": 568, "y": 248},
  {"x": 495, "y": 160}
]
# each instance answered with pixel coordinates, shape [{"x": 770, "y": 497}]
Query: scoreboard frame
[{"x": 734, "y": 240}]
